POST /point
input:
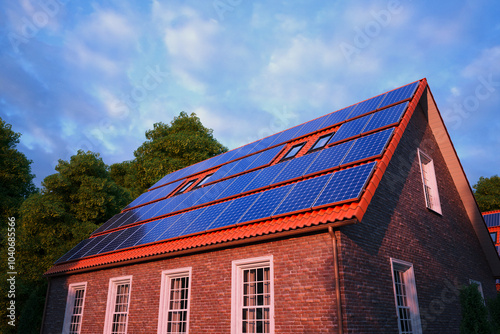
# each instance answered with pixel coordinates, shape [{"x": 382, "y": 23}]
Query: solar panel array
[
  {"x": 492, "y": 219},
  {"x": 261, "y": 189}
]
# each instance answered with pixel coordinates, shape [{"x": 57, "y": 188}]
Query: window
[
  {"x": 185, "y": 186},
  {"x": 174, "y": 301},
  {"x": 405, "y": 296},
  {"x": 205, "y": 180},
  {"x": 74, "y": 308},
  {"x": 118, "y": 305},
  {"x": 321, "y": 142},
  {"x": 494, "y": 236},
  {"x": 429, "y": 182},
  {"x": 252, "y": 296},
  {"x": 293, "y": 151},
  {"x": 479, "y": 287}
]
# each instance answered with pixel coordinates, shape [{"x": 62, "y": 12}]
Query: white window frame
[
  {"x": 411, "y": 294},
  {"x": 429, "y": 182},
  {"x": 166, "y": 277},
  {"x": 70, "y": 306},
  {"x": 238, "y": 266},
  {"x": 111, "y": 302},
  {"x": 479, "y": 288}
]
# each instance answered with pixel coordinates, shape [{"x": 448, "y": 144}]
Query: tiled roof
[{"x": 160, "y": 222}]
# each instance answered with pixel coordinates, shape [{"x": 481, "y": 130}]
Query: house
[
  {"x": 492, "y": 219},
  {"x": 360, "y": 221}
]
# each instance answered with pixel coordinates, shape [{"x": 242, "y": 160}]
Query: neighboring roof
[
  {"x": 492, "y": 218},
  {"x": 252, "y": 192}
]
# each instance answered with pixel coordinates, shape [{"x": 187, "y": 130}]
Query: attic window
[
  {"x": 293, "y": 151},
  {"x": 494, "y": 236},
  {"x": 185, "y": 186},
  {"x": 204, "y": 180},
  {"x": 321, "y": 142},
  {"x": 429, "y": 182}
]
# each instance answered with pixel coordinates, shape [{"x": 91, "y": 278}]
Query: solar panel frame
[
  {"x": 345, "y": 185},
  {"x": 311, "y": 126},
  {"x": 265, "y": 176},
  {"x": 302, "y": 195},
  {"x": 296, "y": 167},
  {"x": 265, "y": 157},
  {"x": 350, "y": 129},
  {"x": 266, "y": 204},
  {"x": 367, "y": 106},
  {"x": 330, "y": 157},
  {"x": 240, "y": 182},
  {"x": 236, "y": 209},
  {"x": 182, "y": 223},
  {"x": 157, "y": 231},
  {"x": 338, "y": 116},
  {"x": 215, "y": 190},
  {"x": 386, "y": 117},
  {"x": 209, "y": 215},
  {"x": 368, "y": 146},
  {"x": 286, "y": 135},
  {"x": 400, "y": 94}
]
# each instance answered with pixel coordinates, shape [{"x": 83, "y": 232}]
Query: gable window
[
  {"x": 74, "y": 308},
  {"x": 252, "y": 296},
  {"x": 494, "y": 236},
  {"x": 185, "y": 186},
  {"x": 118, "y": 305},
  {"x": 293, "y": 151},
  {"x": 405, "y": 296},
  {"x": 479, "y": 287},
  {"x": 321, "y": 142},
  {"x": 429, "y": 182},
  {"x": 174, "y": 301}
]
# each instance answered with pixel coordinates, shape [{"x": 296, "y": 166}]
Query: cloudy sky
[{"x": 95, "y": 75}]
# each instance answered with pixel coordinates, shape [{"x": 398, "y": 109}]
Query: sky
[{"x": 96, "y": 75}]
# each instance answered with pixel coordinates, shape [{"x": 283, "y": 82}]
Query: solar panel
[
  {"x": 119, "y": 237},
  {"x": 492, "y": 219},
  {"x": 93, "y": 246},
  {"x": 108, "y": 223},
  {"x": 238, "y": 185},
  {"x": 215, "y": 191},
  {"x": 176, "y": 229},
  {"x": 222, "y": 171},
  {"x": 368, "y": 146},
  {"x": 207, "y": 217},
  {"x": 265, "y": 177},
  {"x": 386, "y": 117},
  {"x": 367, "y": 106},
  {"x": 122, "y": 218},
  {"x": 242, "y": 165},
  {"x": 329, "y": 157},
  {"x": 141, "y": 234},
  {"x": 302, "y": 195},
  {"x": 399, "y": 94},
  {"x": 75, "y": 249},
  {"x": 338, "y": 116},
  {"x": 311, "y": 126},
  {"x": 159, "y": 227},
  {"x": 155, "y": 194},
  {"x": 168, "y": 205},
  {"x": 345, "y": 185},
  {"x": 287, "y": 135},
  {"x": 350, "y": 129},
  {"x": 193, "y": 197},
  {"x": 296, "y": 167},
  {"x": 236, "y": 209},
  {"x": 131, "y": 240},
  {"x": 265, "y": 142},
  {"x": 266, "y": 204},
  {"x": 265, "y": 157}
]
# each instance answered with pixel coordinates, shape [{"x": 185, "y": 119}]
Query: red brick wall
[
  {"x": 443, "y": 249},
  {"x": 304, "y": 292}
]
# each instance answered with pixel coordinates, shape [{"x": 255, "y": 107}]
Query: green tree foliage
[
  {"x": 474, "y": 312},
  {"x": 72, "y": 203},
  {"x": 487, "y": 193},
  {"x": 494, "y": 308},
  {"x": 16, "y": 180},
  {"x": 169, "y": 147}
]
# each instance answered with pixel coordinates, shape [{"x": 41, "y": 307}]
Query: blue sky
[{"x": 95, "y": 75}]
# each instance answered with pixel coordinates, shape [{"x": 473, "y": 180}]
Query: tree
[
  {"x": 474, "y": 312},
  {"x": 169, "y": 147},
  {"x": 72, "y": 203},
  {"x": 16, "y": 180},
  {"x": 487, "y": 193}
]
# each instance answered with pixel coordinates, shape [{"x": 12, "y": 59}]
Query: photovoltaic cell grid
[
  {"x": 267, "y": 203},
  {"x": 303, "y": 195},
  {"x": 385, "y": 117},
  {"x": 367, "y": 106},
  {"x": 330, "y": 157},
  {"x": 238, "y": 185},
  {"x": 338, "y": 116},
  {"x": 311, "y": 126},
  {"x": 296, "y": 167},
  {"x": 266, "y": 157},
  {"x": 492, "y": 219},
  {"x": 350, "y": 129},
  {"x": 235, "y": 210},
  {"x": 154, "y": 194},
  {"x": 287, "y": 135},
  {"x": 368, "y": 146},
  {"x": 345, "y": 185},
  {"x": 399, "y": 94}
]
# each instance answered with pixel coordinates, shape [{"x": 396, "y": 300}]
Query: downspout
[{"x": 337, "y": 278}]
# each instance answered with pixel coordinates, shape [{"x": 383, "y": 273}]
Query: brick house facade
[{"x": 354, "y": 259}]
